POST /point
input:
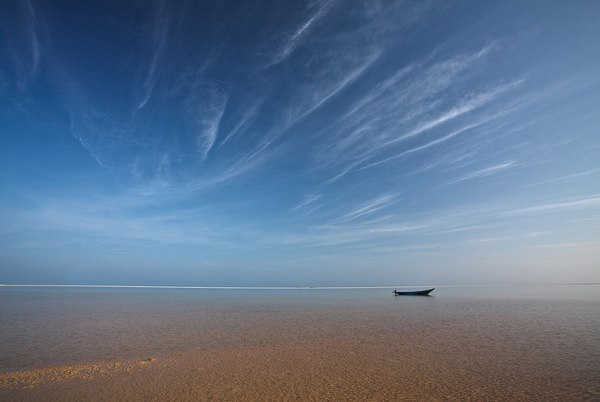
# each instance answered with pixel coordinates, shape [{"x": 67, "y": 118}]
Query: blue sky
[{"x": 299, "y": 143}]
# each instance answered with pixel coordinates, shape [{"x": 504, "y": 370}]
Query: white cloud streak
[
  {"x": 300, "y": 34},
  {"x": 160, "y": 37},
  {"x": 308, "y": 199},
  {"x": 467, "y": 106},
  {"x": 486, "y": 172},
  {"x": 437, "y": 141},
  {"x": 341, "y": 84},
  {"x": 368, "y": 208},
  {"x": 243, "y": 123},
  {"x": 33, "y": 38},
  {"x": 401, "y": 108},
  {"x": 567, "y": 178},
  {"x": 210, "y": 120},
  {"x": 592, "y": 201}
]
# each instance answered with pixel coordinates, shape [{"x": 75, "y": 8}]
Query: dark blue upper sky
[{"x": 300, "y": 142}]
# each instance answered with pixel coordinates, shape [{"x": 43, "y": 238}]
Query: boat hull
[{"x": 414, "y": 293}]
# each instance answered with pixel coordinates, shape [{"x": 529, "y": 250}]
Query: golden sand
[
  {"x": 330, "y": 369},
  {"x": 27, "y": 379}
]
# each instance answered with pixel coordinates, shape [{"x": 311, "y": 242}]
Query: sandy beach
[
  {"x": 333, "y": 369},
  {"x": 425, "y": 349}
]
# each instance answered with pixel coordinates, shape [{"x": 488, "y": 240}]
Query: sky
[{"x": 284, "y": 143}]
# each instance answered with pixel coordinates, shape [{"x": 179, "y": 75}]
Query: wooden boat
[{"x": 414, "y": 292}]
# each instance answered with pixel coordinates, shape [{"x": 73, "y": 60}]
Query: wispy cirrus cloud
[
  {"x": 105, "y": 220},
  {"x": 336, "y": 62},
  {"x": 98, "y": 135},
  {"x": 400, "y": 108},
  {"x": 299, "y": 35},
  {"x": 432, "y": 143},
  {"x": 32, "y": 30},
  {"x": 469, "y": 105},
  {"x": 488, "y": 171},
  {"x": 308, "y": 199},
  {"x": 576, "y": 245},
  {"x": 587, "y": 202},
  {"x": 395, "y": 229},
  {"x": 367, "y": 208},
  {"x": 210, "y": 115},
  {"x": 321, "y": 96},
  {"x": 23, "y": 39},
  {"x": 159, "y": 39},
  {"x": 567, "y": 178},
  {"x": 249, "y": 114}
]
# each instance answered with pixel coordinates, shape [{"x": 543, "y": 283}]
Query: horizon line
[{"x": 282, "y": 287}]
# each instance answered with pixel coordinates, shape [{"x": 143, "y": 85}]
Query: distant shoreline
[{"x": 284, "y": 287}]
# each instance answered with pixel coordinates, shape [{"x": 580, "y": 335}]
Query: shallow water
[{"x": 544, "y": 336}]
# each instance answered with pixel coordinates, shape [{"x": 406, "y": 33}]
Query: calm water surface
[{"x": 43, "y": 327}]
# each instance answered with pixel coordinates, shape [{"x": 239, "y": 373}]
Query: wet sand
[
  {"x": 427, "y": 367},
  {"x": 328, "y": 370},
  {"x": 410, "y": 350}
]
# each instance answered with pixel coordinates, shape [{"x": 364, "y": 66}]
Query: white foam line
[
  {"x": 298, "y": 287},
  {"x": 214, "y": 287}
]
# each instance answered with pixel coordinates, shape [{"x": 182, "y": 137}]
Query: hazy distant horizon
[
  {"x": 282, "y": 287},
  {"x": 307, "y": 143}
]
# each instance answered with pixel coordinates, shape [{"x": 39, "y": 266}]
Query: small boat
[{"x": 414, "y": 292}]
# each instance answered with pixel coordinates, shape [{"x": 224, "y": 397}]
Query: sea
[{"x": 542, "y": 334}]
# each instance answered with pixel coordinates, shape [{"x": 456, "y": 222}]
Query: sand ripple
[{"x": 28, "y": 379}]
